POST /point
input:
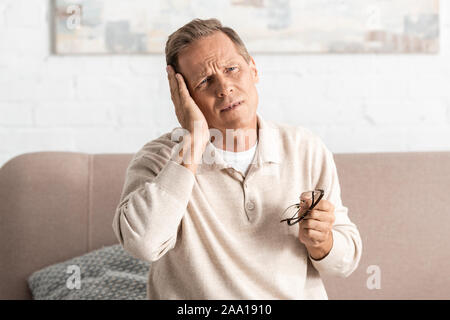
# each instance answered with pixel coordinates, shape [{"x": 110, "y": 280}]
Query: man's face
[{"x": 216, "y": 76}]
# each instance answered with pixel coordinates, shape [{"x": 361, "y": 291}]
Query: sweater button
[{"x": 250, "y": 205}]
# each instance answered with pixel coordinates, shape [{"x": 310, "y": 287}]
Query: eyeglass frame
[{"x": 298, "y": 219}]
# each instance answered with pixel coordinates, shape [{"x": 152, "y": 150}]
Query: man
[{"x": 212, "y": 228}]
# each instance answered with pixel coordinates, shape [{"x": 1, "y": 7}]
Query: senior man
[{"x": 212, "y": 229}]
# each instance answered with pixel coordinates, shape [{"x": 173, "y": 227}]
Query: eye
[
  {"x": 203, "y": 82},
  {"x": 231, "y": 68}
]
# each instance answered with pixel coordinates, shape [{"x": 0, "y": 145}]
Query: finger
[
  {"x": 324, "y": 205},
  {"x": 320, "y": 215},
  {"x": 314, "y": 225},
  {"x": 314, "y": 235},
  {"x": 184, "y": 92},
  {"x": 173, "y": 84}
]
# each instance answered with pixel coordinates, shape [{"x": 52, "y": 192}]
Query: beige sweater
[{"x": 217, "y": 234}]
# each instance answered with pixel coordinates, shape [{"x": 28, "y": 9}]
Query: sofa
[{"x": 58, "y": 205}]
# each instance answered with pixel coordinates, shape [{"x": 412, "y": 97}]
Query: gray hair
[{"x": 195, "y": 30}]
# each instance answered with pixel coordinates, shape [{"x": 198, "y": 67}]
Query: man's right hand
[{"x": 190, "y": 116}]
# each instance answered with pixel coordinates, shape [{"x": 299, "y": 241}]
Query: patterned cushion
[{"x": 109, "y": 273}]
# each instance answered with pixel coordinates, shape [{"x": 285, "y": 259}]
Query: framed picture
[{"x": 265, "y": 26}]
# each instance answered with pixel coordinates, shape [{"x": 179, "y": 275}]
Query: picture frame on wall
[{"x": 266, "y": 26}]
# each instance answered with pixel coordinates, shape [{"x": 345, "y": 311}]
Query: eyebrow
[{"x": 203, "y": 72}]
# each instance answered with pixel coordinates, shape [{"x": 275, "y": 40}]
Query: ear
[{"x": 253, "y": 70}]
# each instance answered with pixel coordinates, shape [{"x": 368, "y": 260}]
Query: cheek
[
  {"x": 251, "y": 92},
  {"x": 247, "y": 85},
  {"x": 204, "y": 101}
]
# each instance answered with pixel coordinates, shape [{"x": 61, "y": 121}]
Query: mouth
[{"x": 232, "y": 106}]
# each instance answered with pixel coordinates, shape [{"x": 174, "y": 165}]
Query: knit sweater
[{"x": 217, "y": 234}]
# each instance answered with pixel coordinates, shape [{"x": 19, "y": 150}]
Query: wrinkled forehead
[{"x": 217, "y": 49}]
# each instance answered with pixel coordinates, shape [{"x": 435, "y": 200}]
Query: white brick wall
[{"x": 356, "y": 103}]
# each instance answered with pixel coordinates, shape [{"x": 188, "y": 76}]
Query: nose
[{"x": 224, "y": 87}]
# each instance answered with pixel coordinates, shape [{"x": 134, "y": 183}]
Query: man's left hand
[{"x": 315, "y": 230}]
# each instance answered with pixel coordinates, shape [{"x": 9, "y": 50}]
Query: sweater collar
[
  {"x": 269, "y": 141},
  {"x": 267, "y": 151}
]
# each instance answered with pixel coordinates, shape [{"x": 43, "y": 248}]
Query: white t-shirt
[{"x": 238, "y": 160}]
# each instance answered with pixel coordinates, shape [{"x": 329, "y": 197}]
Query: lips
[{"x": 231, "y": 106}]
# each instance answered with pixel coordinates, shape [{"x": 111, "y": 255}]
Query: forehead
[{"x": 217, "y": 48}]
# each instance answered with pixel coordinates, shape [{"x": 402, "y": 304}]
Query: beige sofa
[{"x": 57, "y": 205}]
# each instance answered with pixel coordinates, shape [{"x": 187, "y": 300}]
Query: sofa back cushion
[{"x": 58, "y": 205}]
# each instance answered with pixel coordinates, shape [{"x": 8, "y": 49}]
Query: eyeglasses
[{"x": 297, "y": 212}]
